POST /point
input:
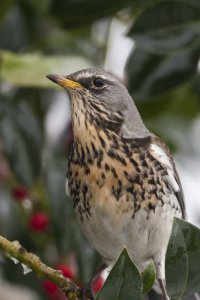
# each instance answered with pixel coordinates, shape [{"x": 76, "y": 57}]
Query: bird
[{"x": 121, "y": 177}]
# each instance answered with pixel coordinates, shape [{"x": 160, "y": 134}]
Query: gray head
[{"x": 102, "y": 91}]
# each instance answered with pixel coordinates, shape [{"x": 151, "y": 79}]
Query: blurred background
[{"x": 153, "y": 46}]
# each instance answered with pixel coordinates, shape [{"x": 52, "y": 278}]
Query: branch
[{"x": 16, "y": 251}]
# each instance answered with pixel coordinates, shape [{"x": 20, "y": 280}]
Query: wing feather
[{"x": 172, "y": 176}]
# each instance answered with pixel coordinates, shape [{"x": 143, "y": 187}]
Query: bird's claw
[{"x": 86, "y": 293}]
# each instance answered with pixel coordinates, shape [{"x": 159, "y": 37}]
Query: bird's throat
[{"x": 90, "y": 125}]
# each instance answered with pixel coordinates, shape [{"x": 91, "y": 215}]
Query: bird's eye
[{"x": 98, "y": 82}]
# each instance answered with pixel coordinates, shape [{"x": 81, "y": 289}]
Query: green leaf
[
  {"x": 16, "y": 151},
  {"x": 176, "y": 263},
  {"x": 139, "y": 6},
  {"x": 40, "y": 7},
  {"x": 5, "y": 6},
  {"x": 167, "y": 26},
  {"x": 78, "y": 12},
  {"x": 123, "y": 282},
  {"x": 31, "y": 69},
  {"x": 14, "y": 21},
  {"x": 148, "y": 278},
  {"x": 21, "y": 136},
  {"x": 192, "y": 242},
  {"x": 183, "y": 260},
  {"x": 28, "y": 125},
  {"x": 150, "y": 74}
]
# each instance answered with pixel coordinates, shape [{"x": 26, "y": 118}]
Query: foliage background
[{"x": 49, "y": 36}]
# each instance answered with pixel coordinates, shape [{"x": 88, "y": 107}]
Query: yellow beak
[{"x": 64, "y": 82}]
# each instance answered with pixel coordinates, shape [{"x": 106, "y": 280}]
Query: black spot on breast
[
  {"x": 126, "y": 174},
  {"x": 99, "y": 163},
  {"x": 86, "y": 124},
  {"x": 103, "y": 176},
  {"x": 137, "y": 180},
  {"x": 126, "y": 150},
  {"x": 144, "y": 164},
  {"x": 114, "y": 155},
  {"x": 142, "y": 194},
  {"x": 87, "y": 171},
  {"x": 119, "y": 182},
  {"x": 142, "y": 156},
  {"x": 151, "y": 206},
  {"x": 88, "y": 150},
  {"x": 107, "y": 168},
  {"x": 129, "y": 177},
  {"x": 151, "y": 181},
  {"x": 95, "y": 152},
  {"x": 114, "y": 172},
  {"x": 103, "y": 144},
  {"x": 134, "y": 162},
  {"x": 84, "y": 189},
  {"x": 150, "y": 171},
  {"x": 100, "y": 158},
  {"x": 115, "y": 141},
  {"x": 129, "y": 190},
  {"x": 138, "y": 169},
  {"x": 82, "y": 155},
  {"x": 90, "y": 160},
  {"x": 116, "y": 191}
]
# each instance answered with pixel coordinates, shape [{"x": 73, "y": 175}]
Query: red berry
[
  {"x": 66, "y": 270},
  {"x": 39, "y": 221},
  {"x": 97, "y": 284},
  {"x": 50, "y": 287},
  {"x": 20, "y": 192}
]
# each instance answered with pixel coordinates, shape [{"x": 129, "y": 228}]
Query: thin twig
[
  {"x": 197, "y": 296},
  {"x": 16, "y": 251}
]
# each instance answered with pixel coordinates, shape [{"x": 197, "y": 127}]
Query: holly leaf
[
  {"x": 21, "y": 136},
  {"x": 148, "y": 278},
  {"x": 152, "y": 74},
  {"x": 123, "y": 282},
  {"x": 76, "y": 12},
  {"x": 167, "y": 26},
  {"x": 183, "y": 260}
]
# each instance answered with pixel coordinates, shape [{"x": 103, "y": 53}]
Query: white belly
[{"x": 145, "y": 236}]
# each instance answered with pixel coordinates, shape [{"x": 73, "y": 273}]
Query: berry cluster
[{"x": 38, "y": 222}]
